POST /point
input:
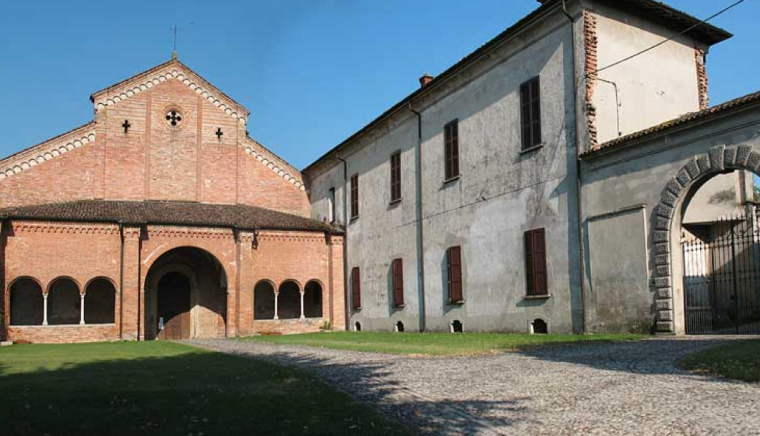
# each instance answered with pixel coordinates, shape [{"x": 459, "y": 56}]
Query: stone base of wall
[
  {"x": 288, "y": 326},
  {"x": 64, "y": 334}
]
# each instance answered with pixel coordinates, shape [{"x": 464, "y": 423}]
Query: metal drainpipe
[
  {"x": 420, "y": 233},
  {"x": 579, "y": 185},
  {"x": 345, "y": 242}
]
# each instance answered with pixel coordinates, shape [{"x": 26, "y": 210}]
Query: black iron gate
[{"x": 722, "y": 278}]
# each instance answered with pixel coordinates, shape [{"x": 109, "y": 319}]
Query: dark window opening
[
  {"x": 451, "y": 140},
  {"x": 454, "y": 267},
  {"x": 312, "y": 300},
  {"x": 64, "y": 303},
  {"x": 396, "y": 176},
  {"x": 535, "y": 262},
  {"x": 540, "y": 327},
  {"x": 100, "y": 302},
  {"x": 263, "y": 300},
  {"x": 289, "y": 301},
  {"x": 530, "y": 113},
  {"x": 400, "y": 327},
  {"x": 331, "y": 207},
  {"x": 397, "y": 271},
  {"x": 26, "y": 302},
  {"x": 355, "y": 196},
  {"x": 358, "y": 326},
  {"x": 457, "y": 326},
  {"x": 356, "y": 291}
]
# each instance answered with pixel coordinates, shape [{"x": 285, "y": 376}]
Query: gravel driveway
[{"x": 590, "y": 388}]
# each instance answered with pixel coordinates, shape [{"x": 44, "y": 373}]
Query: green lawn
[
  {"x": 432, "y": 344},
  {"x": 160, "y": 388},
  {"x": 737, "y": 360}
]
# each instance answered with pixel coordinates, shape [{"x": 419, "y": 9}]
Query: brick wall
[
  {"x": 154, "y": 160},
  {"x": 64, "y": 334}
]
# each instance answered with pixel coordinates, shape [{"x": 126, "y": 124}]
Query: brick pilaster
[{"x": 132, "y": 292}]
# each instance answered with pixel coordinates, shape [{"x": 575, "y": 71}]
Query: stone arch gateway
[{"x": 696, "y": 171}]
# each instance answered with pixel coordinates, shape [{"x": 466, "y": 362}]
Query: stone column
[
  {"x": 276, "y": 297},
  {"x": 302, "y": 313},
  {"x": 81, "y": 308},
  {"x": 44, "y": 309}
]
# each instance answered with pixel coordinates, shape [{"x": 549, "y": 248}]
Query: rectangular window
[
  {"x": 396, "y": 176},
  {"x": 454, "y": 266},
  {"x": 535, "y": 262},
  {"x": 331, "y": 205},
  {"x": 451, "y": 139},
  {"x": 356, "y": 289},
  {"x": 397, "y": 268},
  {"x": 355, "y": 196},
  {"x": 530, "y": 113}
]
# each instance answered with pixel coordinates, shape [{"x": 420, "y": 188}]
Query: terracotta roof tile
[
  {"x": 168, "y": 213},
  {"x": 680, "y": 121}
]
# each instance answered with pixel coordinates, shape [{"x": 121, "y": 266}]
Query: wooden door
[{"x": 174, "y": 307}]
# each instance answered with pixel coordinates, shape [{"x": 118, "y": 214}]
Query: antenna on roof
[{"x": 174, "y": 51}]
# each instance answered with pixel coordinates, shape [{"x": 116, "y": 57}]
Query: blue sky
[{"x": 312, "y": 72}]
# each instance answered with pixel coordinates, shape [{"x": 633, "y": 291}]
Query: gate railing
[{"x": 722, "y": 277}]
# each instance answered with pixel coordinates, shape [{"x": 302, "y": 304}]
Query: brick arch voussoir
[{"x": 717, "y": 160}]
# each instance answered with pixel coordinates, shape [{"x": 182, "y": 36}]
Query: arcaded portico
[{"x": 75, "y": 276}]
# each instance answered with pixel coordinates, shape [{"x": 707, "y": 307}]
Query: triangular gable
[
  {"x": 170, "y": 70},
  {"x": 47, "y": 150},
  {"x": 275, "y": 163}
]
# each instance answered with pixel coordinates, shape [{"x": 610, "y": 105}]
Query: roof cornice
[{"x": 171, "y": 70}]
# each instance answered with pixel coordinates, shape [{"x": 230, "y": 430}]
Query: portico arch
[
  {"x": 666, "y": 253},
  {"x": 185, "y": 295}
]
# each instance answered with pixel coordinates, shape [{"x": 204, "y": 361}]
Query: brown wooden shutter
[
  {"x": 455, "y": 274},
  {"x": 535, "y": 262},
  {"x": 530, "y": 113},
  {"x": 451, "y": 139},
  {"x": 539, "y": 247},
  {"x": 396, "y": 176},
  {"x": 398, "y": 282},
  {"x": 354, "y": 196},
  {"x": 356, "y": 291},
  {"x": 525, "y": 127},
  {"x": 535, "y": 95}
]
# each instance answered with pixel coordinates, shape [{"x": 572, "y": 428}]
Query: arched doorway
[
  {"x": 185, "y": 296},
  {"x": 707, "y": 269},
  {"x": 173, "y": 307}
]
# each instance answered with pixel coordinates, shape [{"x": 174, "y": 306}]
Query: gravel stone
[{"x": 588, "y": 389}]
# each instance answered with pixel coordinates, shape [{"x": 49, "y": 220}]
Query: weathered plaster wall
[
  {"x": 721, "y": 197},
  {"x": 635, "y": 178},
  {"x": 654, "y": 87},
  {"x": 501, "y": 194}
]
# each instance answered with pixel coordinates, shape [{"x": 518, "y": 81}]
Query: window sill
[
  {"x": 451, "y": 180},
  {"x": 394, "y": 202},
  {"x": 456, "y": 303},
  {"x": 538, "y": 297},
  {"x": 353, "y": 219},
  {"x": 532, "y": 149},
  {"x": 399, "y": 306},
  {"x": 357, "y": 309}
]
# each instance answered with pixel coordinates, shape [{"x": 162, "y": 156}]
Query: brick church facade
[{"x": 162, "y": 218}]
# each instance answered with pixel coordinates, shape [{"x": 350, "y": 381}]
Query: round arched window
[{"x": 174, "y": 117}]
